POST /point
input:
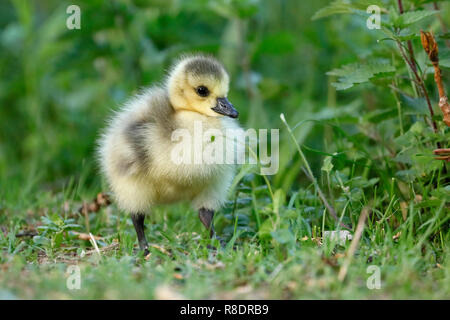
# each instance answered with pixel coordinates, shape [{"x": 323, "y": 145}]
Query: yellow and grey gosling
[{"x": 135, "y": 149}]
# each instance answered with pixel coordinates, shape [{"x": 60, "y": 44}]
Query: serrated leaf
[
  {"x": 342, "y": 85},
  {"x": 345, "y": 7},
  {"x": 411, "y": 17},
  {"x": 354, "y": 73}
]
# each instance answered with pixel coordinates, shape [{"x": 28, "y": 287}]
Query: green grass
[{"x": 291, "y": 262}]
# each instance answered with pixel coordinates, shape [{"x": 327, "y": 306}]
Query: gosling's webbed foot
[
  {"x": 140, "y": 253},
  {"x": 222, "y": 242}
]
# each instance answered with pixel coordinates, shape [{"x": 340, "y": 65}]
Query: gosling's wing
[{"x": 126, "y": 147}]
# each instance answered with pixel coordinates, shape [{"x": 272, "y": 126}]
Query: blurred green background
[{"x": 58, "y": 86}]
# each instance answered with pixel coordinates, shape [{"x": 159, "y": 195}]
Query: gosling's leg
[
  {"x": 138, "y": 222},
  {"x": 206, "y": 217}
]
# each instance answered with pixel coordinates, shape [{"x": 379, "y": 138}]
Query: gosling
[{"x": 135, "y": 149}]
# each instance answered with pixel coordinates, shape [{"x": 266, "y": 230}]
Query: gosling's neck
[{"x": 187, "y": 118}]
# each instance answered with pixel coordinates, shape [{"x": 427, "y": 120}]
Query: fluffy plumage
[{"x": 135, "y": 149}]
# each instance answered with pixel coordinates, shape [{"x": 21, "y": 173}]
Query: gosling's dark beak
[{"x": 226, "y": 108}]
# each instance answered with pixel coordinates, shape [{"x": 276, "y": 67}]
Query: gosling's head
[{"x": 200, "y": 84}]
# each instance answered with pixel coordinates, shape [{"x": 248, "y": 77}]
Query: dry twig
[
  {"x": 354, "y": 244},
  {"x": 430, "y": 46},
  {"x": 442, "y": 154},
  {"x": 101, "y": 200}
]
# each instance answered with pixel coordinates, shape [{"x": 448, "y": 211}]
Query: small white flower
[{"x": 340, "y": 236}]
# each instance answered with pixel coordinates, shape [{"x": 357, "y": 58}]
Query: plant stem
[
  {"x": 412, "y": 63},
  {"x": 410, "y": 47},
  {"x": 399, "y": 109},
  {"x": 358, "y": 233},
  {"x": 431, "y": 48},
  {"x": 310, "y": 175},
  {"x": 420, "y": 84}
]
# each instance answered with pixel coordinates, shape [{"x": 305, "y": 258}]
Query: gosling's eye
[{"x": 202, "y": 91}]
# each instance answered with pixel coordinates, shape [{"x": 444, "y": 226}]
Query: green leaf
[
  {"x": 407, "y": 175},
  {"x": 354, "y": 73},
  {"x": 444, "y": 57},
  {"x": 417, "y": 128},
  {"x": 444, "y": 35},
  {"x": 442, "y": 193},
  {"x": 378, "y": 116},
  {"x": 421, "y": 2},
  {"x": 414, "y": 105},
  {"x": 342, "y": 85},
  {"x": 429, "y": 203},
  {"x": 266, "y": 229},
  {"x": 57, "y": 240},
  {"x": 41, "y": 240},
  {"x": 444, "y": 63},
  {"x": 278, "y": 200},
  {"x": 336, "y": 7},
  {"x": 407, "y": 36},
  {"x": 411, "y": 17},
  {"x": 362, "y": 183},
  {"x": 327, "y": 164}
]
